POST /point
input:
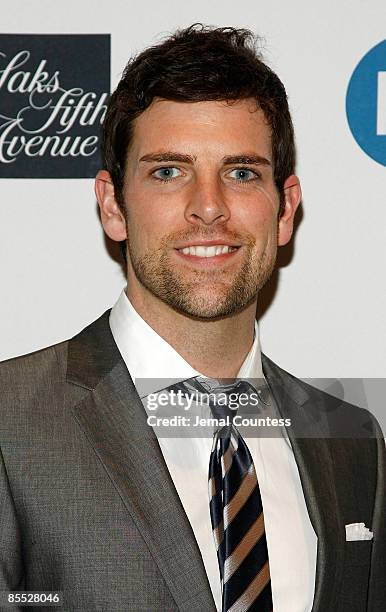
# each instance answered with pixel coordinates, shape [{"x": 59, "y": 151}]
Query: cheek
[
  {"x": 268, "y": 199},
  {"x": 148, "y": 227},
  {"x": 141, "y": 234},
  {"x": 260, "y": 216},
  {"x": 265, "y": 235},
  {"x": 149, "y": 206}
]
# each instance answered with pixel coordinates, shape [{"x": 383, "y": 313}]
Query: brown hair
[{"x": 199, "y": 63}]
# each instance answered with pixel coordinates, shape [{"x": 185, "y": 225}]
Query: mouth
[
  {"x": 208, "y": 251},
  {"x": 208, "y": 255}
]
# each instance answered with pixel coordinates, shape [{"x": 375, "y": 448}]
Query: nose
[{"x": 207, "y": 203}]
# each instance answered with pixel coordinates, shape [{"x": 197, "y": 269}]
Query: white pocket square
[{"x": 358, "y": 531}]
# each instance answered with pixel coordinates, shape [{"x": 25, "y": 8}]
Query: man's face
[{"x": 199, "y": 177}]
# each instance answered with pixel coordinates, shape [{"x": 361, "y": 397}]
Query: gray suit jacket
[{"x": 87, "y": 505}]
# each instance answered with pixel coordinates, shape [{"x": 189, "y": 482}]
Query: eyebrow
[
  {"x": 172, "y": 156},
  {"x": 246, "y": 158},
  {"x": 168, "y": 156}
]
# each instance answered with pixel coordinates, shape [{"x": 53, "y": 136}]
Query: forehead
[{"x": 202, "y": 127}]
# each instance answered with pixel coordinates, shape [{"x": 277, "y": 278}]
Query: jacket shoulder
[
  {"x": 28, "y": 379},
  {"x": 337, "y": 416},
  {"x": 34, "y": 364},
  {"x": 39, "y": 376}
]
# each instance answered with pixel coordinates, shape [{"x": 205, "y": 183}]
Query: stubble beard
[{"x": 210, "y": 294}]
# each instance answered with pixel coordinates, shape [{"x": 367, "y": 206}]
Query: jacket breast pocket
[{"x": 356, "y": 573}]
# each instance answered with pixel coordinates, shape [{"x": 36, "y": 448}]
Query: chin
[{"x": 208, "y": 309}]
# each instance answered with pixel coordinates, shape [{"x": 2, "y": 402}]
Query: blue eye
[
  {"x": 244, "y": 175},
  {"x": 166, "y": 174}
]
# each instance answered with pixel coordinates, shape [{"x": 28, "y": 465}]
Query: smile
[{"x": 209, "y": 251}]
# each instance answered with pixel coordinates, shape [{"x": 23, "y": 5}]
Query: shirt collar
[{"x": 152, "y": 362}]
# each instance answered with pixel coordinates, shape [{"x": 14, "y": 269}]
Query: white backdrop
[{"x": 327, "y": 318}]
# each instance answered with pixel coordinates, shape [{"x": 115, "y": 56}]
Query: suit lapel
[
  {"x": 309, "y": 439},
  {"x": 114, "y": 421}
]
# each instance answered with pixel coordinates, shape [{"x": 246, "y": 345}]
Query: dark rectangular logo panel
[{"x": 54, "y": 91}]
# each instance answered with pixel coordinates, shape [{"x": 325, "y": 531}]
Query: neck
[{"x": 215, "y": 348}]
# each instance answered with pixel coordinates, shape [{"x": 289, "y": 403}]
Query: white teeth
[
  {"x": 211, "y": 251},
  {"x": 201, "y": 251}
]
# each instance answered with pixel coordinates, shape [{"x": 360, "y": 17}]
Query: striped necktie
[{"x": 236, "y": 512}]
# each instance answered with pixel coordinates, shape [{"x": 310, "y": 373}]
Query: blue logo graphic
[{"x": 366, "y": 103}]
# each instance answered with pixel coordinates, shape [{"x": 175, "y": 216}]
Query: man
[{"x": 198, "y": 154}]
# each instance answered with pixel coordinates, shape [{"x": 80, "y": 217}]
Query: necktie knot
[{"x": 224, "y": 395}]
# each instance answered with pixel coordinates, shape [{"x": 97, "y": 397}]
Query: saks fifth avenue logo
[{"x": 53, "y": 98}]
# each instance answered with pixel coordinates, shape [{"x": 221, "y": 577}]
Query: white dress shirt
[{"x": 291, "y": 540}]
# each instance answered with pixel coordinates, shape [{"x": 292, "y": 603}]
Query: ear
[
  {"x": 292, "y": 199},
  {"x": 112, "y": 218}
]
